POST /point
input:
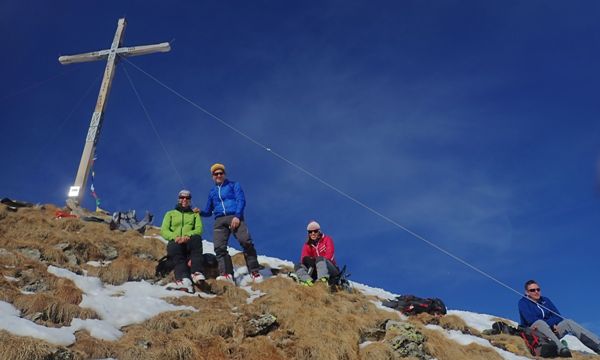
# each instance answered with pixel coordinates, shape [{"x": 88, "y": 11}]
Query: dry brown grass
[
  {"x": 379, "y": 351},
  {"x": 238, "y": 260},
  {"x": 448, "y": 322},
  {"x": 23, "y": 348},
  {"x": 313, "y": 323},
  {"x": 258, "y": 348},
  {"x": 140, "y": 343},
  {"x": 53, "y": 310},
  {"x": 67, "y": 291},
  {"x": 324, "y": 325},
  {"x": 439, "y": 346},
  {"x": 88, "y": 347},
  {"x": 126, "y": 269},
  {"x": 510, "y": 343}
]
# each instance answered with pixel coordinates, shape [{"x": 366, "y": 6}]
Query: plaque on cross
[{"x": 112, "y": 56}]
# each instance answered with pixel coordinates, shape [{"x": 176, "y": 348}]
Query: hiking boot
[
  {"x": 198, "y": 277},
  {"x": 324, "y": 279},
  {"x": 307, "y": 283},
  {"x": 256, "y": 277},
  {"x": 564, "y": 352},
  {"x": 181, "y": 285},
  {"x": 226, "y": 277}
]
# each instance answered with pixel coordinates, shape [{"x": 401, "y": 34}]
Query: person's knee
[
  {"x": 195, "y": 243},
  {"x": 308, "y": 261},
  {"x": 221, "y": 250},
  {"x": 243, "y": 237},
  {"x": 540, "y": 324}
]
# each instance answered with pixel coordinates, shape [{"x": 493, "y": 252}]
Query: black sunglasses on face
[
  {"x": 218, "y": 173},
  {"x": 185, "y": 197},
  {"x": 534, "y": 290},
  {"x": 313, "y": 231}
]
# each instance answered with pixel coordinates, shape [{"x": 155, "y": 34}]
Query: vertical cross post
[{"x": 78, "y": 189}]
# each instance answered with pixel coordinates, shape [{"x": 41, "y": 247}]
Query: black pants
[{"x": 180, "y": 253}]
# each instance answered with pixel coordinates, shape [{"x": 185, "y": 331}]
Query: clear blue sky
[{"x": 474, "y": 124}]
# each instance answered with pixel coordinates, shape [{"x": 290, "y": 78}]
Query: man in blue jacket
[
  {"x": 227, "y": 202},
  {"x": 539, "y": 312}
]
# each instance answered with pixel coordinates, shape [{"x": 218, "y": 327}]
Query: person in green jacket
[{"x": 182, "y": 228}]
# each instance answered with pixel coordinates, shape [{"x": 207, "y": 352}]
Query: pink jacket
[{"x": 323, "y": 247}]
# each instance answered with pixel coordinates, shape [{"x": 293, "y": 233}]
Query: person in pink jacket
[{"x": 317, "y": 261}]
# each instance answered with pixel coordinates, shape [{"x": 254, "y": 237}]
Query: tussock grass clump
[
  {"x": 127, "y": 269},
  {"x": 258, "y": 348},
  {"x": 140, "y": 343},
  {"x": 23, "y": 348},
  {"x": 510, "y": 343},
  {"x": 238, "y": 260},
  {"x": 8, "y": 289},
  {"x": 448, "y": 322},
  {"x": 67, "y": 291},
  {"x": 71, "y": 225},
  {"x": 442, "y": 348},
  {"x": 53, "y": 310},
  {"x": 88, "y": 347},
  {"x": 377, "y": 350}
]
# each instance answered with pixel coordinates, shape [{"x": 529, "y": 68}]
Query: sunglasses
[
  {"x": 218, "y": 173},
  {"x": 185, "y": 197},
  {"x": 534, "y": 290},
  {"x": 313, "y": 231}
]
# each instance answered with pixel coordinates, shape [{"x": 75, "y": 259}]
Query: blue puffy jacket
[
  {"x": 531, "y": 311},
  {"x": 225, "y": 199}
]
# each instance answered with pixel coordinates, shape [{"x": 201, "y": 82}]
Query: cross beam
[{"x": 77, "y": 190}]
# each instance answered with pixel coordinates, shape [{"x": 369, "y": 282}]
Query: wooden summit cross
[{"x": 76, "y": 191}]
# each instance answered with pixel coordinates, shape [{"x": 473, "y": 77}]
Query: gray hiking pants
[
  {"x": 315, "y": 268},
  {"x": 220, "y": 239},
  {"x": 568, "y": 326}
]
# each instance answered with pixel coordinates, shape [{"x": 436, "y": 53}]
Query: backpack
[
  {"x": 340, "y": 281},
  {"x": 413, "y": 305},
  {"x": 500, "y": 327},
  {"x": 166, "y": 265},
  {"x": 538, "y": 343}
]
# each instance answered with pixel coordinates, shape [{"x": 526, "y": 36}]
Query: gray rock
[
  {"x": 62, "y": 246},
  {"x": 143, "y": 343},
  {"x": 144, "y": 256},
  {"x": 33, "y": 283},
  {"x": 33, "y": 254},
  {"x": 71, "y": 258},
  {"x": 62, "y": 354},
  {"x": 108, "y": 252},
  {"x": 408, "y": 341},
  {"x": 35, "y": 316},
  {"x": 260, "y": 325},
  {"x": 371, "y": 334},
  {"x": 68, "y": 252},
  {"x": 4, "y": 252}
]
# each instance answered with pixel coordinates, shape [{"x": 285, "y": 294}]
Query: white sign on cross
[{"x": 111, "y": 55}]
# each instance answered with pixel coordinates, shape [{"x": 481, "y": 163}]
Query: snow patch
[
  {"x": 99, "y": 263},
  {"x": 117, "y": 306},
  {"x": 11, "y": 322},
  {"x": 479, "y": 322}
]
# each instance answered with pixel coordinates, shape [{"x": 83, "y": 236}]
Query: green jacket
[{"x": 180, "y": 222}]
